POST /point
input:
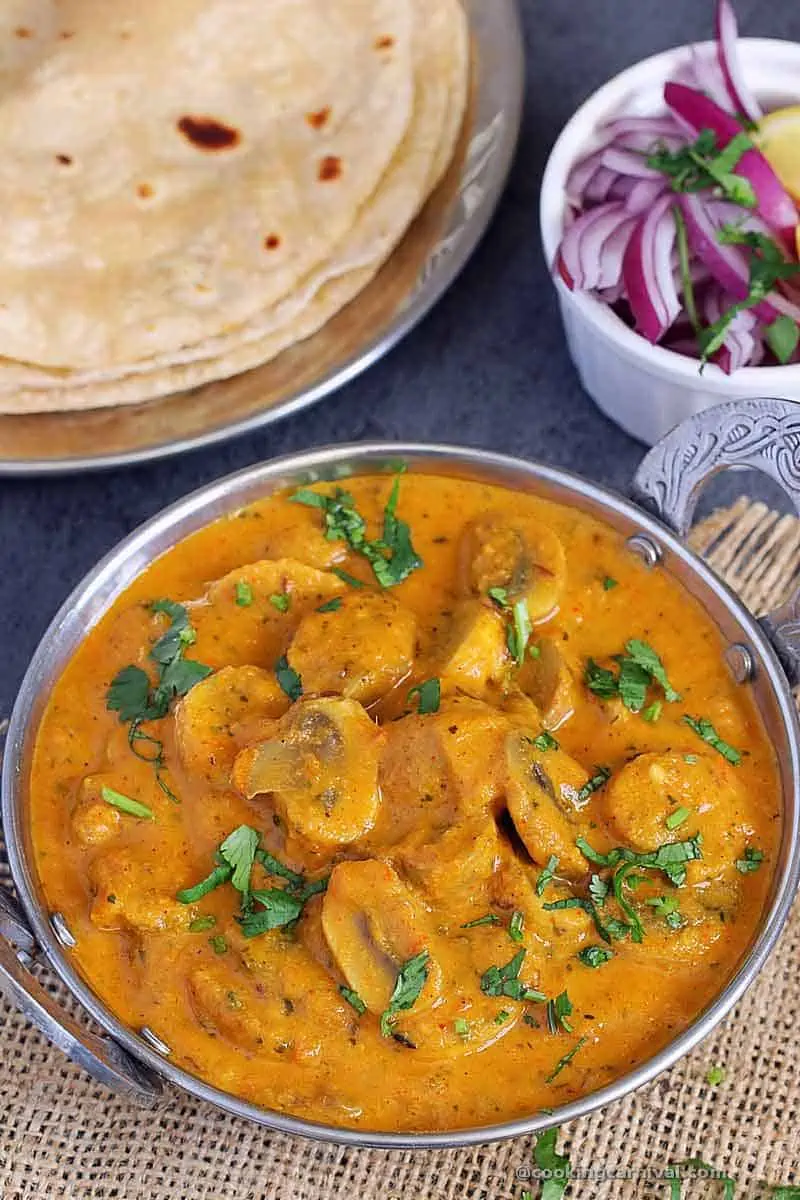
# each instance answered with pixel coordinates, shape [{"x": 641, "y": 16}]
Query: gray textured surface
[{"x": 488, "y": 367}]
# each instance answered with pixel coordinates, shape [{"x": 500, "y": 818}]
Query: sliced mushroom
[
  {"x": 700, "y": 788},
  {"x": 208, "y": 716},
  {"x": 551, "y": 682},
  {"x": 374, "y": 924},
  {"x": 543, "y": 800},
  {"x": 320, "y": 764},
  {"x": 361, "y": 650},
  {"x": 524, "y": 559},
  {"x": 237, "y": 623},
  {"x": 474, "y": 657}
]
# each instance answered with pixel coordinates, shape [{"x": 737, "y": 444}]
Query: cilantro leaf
[
  {"x": 392, "y": 557},
  {"x": 280, "y": 601},
  {"x": 353, "y": 999},
  {"x": 505, "y": 981},
  {"x": 488, "y": 919},
  {"x": 566, "y": 1059},
  {"x": 218, "y": 943},
  {"x": 519, "y": 631},
  {"x": 700, "y": 166},
  {"x": 705, "y": 730},
  {"x": 129, "y": 693},
  {"x": 595, "y": 956},
  {"x": 221, "y": 874},
  {"x": 202, "y": 924},
  {"x": 600, "y": 680},
  {"x": 545, "y": 741},
  {"x": 558, "y": 1012},
  {"x": 430, "y": 694},
  {"x": 632, "y": 684},
  {"x": 244, "y": 593},
  {"x": 600, "y": 777},
  {"x": 554, "y": 1166},
  {"x": 331, "y": 605},
  {"x": 598, "y": 890},
  {"x": 752, "y": 860},
  {"x": 288, "y": 679},
  {"x": 516, "y": 925},
  {"x": 408, "y": 985},
  {"x": 275, "y": 867},
  {"x": 279, "y": 908},
  {"x": 782, "y": 337},
  {"x": 546, "y": 874},
  {"x": 239, "y": 852},
  {"x": 646, "y": 657},
  {"x": 609, "y": 583}
]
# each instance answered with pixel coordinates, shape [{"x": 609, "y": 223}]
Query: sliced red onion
[
  {"x": 580, "y": 175},
  {"x": 744, "y": 101},
  {"x": 593, "y": 247},
  {"x": 628, "y": 162},
  {"x": 740, "y": 341},
  {"x": 643, "y": 194},
  {"x": 774, "y": 204},
  {"x": 647, "y": 271},
  {"x": 650, "y": 128},
  {"x": 600, "y": 184}
]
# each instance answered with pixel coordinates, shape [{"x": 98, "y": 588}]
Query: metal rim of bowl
[
  {"x": 503, "y": 18},
  {"x": 127, "y": 560}
]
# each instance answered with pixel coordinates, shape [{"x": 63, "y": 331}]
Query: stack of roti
[{"x": 189, "y": 187}]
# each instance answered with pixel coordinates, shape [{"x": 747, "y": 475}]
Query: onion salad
[{"x": 680, "y": 224}]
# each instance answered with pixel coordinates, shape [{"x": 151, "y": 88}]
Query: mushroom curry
[{"x": 409, "y": 804}]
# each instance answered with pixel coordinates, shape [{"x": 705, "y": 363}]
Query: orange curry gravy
[{"x": 422, "y": 822}]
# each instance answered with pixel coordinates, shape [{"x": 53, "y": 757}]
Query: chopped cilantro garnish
[
  {"x": 558, "y": 1012},
  {"x": 639, "y": 667},
  {"x": 534, "y": 652},
  {"x": 239, "y": 852},
  {"x": 461, "y": 1026},
  {"x": 275, "y": 867},
  {"x": 652, "y": 712},
  {"x": 595, "y": 956},
  {"x": 752, "y": 860},
  {"x": 546, "y": 874},
  {"x": 782, "y": 337},
  {"x": 518, "y": 632},
  {"x": 516, "y": 925},
  {"x": 331, "y": 605},
  {"x": 545, "y": 741},
  {"x": 700, "y": 166},
  {"x": 202, "y": 924},
  {"x": 131, "y": 695},
  {"x": 554, "y": 1166},
  {"x": 609, "y": 583},
  {"x": 280, "y": 601},
  {"x": 500, "y": 596},
  {"x": 677, "y": 817},
  {"x": 705, "y": 730},
  {"x": 430, "y": 695},
  {"x": 488, "y": 919},
  {"x": 221, "y": 874},
  {"x": 505, "y": 981},
  {"x": 502, "y": 1016},
  {"x": 347, "y": 578},
  {"x": 715, "y": 1076},
  {"x": 667, "y": 907},
  {"x": 288, "y": 679},
  {"x": 279, "y": 908},
  {"x": 598, "y": 890},
  {"x": 392, "y": 556},
  {"x": 600, "y": 777},
  {"x": 244, "y": 593},
  {"x": 126, "y": 805},
  {"x": 353, "y": 999},
  {"x": 408, "y": 985},
  {"x": 566, "y": 1059},
  {"x": 218, "y": 943}
]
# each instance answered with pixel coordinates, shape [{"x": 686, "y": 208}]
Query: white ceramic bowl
[{"x": 646, "y": 389}]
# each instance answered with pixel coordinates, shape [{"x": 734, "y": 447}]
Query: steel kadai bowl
[{"x": 766, "y": 655}]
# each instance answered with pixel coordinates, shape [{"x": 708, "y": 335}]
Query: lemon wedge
[{"x": 778, "y": 139}]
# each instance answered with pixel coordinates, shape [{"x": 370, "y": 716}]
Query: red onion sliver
[
  {"x": 643, "y": 194},
  {"x": 709, "y": 77},
  {"x": 652, "y": 128},
  {"x": 628, "y": 162},
  {"x": 728, "y": 54},
  {"x": 647, "y": 271},
  {"x": 774, "y": 204},
  {"x": 600, "y": 184},
  {"x": 583, "y": 246}
]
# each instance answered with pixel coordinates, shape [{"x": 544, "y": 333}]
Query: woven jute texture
[{"x": 63, "y": 1136}]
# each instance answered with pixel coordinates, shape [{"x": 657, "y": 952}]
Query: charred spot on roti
[
  {"x": 207, "y": 133},
  {"x": 330, "y": 168},
  {"x": 271, "y": 241},
  {"x": 66, "y": 34},
  {"x": 22, "y": 32},
  {"x": 384, "y": 43},
  {"x": 145, "y": 191},
  {"x": 317, "y": 119},
  {"x": 64, "y": 159}
]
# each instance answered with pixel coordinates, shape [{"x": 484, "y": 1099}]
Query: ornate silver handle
[
  {"x": 762, "y": 434},
  {"x": 105, "y": 1061}
]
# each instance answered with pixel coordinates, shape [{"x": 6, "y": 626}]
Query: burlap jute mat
[{"x": 62, "y": 1136}]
